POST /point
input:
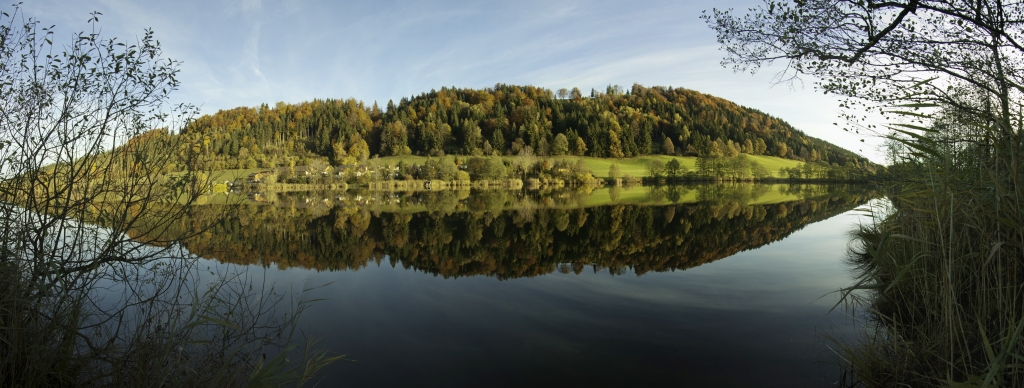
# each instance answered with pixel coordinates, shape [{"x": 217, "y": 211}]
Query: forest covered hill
[{"x": 503, "y": 120}]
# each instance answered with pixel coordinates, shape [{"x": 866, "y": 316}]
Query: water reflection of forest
[{"x": 480, "y": 234}]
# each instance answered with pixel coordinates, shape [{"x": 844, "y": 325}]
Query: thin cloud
[{"x": 249, "y": 52}]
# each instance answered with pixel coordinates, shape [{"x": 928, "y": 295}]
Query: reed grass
[{"x": 940, "y": 271}]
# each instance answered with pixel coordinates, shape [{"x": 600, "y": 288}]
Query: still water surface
[{"x": 726, "y": 291}]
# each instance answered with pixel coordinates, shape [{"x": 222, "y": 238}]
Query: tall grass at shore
[{"x": 940, "y": 273}]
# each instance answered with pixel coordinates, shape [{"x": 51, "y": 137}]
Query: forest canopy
[{"x": 503, "y": 120}]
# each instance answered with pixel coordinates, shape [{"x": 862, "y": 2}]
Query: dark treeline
[
  {"x": 503, "y": 120},
  {"x": 527, "y": 242}
]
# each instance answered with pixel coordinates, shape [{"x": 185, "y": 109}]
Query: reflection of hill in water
[{"x": 507, "y": 244}]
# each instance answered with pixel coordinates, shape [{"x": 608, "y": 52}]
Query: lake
[{"x": 714, "y": 285}]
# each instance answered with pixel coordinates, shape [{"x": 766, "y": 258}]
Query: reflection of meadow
[
  {"x": 475, "y": 200},
  {"x": 512, "y": 234}
]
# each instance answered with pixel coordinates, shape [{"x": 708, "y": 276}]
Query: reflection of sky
[{"x": 749, "y": 320}]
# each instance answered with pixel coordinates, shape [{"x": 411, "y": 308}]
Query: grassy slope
[
  {"x": 636, "y": 167},
  {"x": 773, "y": 164},
  {"x": 220, "y": 176},
  {"x": 231, "y": 175}
]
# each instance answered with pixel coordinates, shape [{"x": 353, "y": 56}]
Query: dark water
[{"x": 729, "y": 289}]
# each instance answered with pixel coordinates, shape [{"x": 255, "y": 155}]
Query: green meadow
[{"x": 634, "y": 167}]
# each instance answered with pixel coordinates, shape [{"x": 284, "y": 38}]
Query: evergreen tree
[
  {"x": 394, "y": 139},
  {"x": 580, "y": 148},
  {"x": 470, "y": 137},
  {"x": 498, "y": 141}
]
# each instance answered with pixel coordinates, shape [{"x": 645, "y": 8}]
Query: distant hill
[{"x": 506, "y": 120}]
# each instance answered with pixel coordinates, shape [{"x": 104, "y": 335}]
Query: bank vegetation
[
  {"x": 940, "y": 270},
  {"x": 91, "y": 295}
]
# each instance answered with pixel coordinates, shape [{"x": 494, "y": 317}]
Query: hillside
[{"x": 503, "y": 120}]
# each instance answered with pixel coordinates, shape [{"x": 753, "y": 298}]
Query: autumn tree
[
  {"x": 577, "y": 95},
  {"x": 760, "y": 147},
  {"x": 358, "y": 149},
  {"x": 339, "y": 151},
  {"x": 614, "y": 145},
  {"x": 579, "y": 147},
  {"x": 560, "y": 146},
  {"x": 667, "y": 147}
]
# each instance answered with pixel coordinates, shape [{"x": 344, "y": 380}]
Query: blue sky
[{"x": 249, "y": 52}]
